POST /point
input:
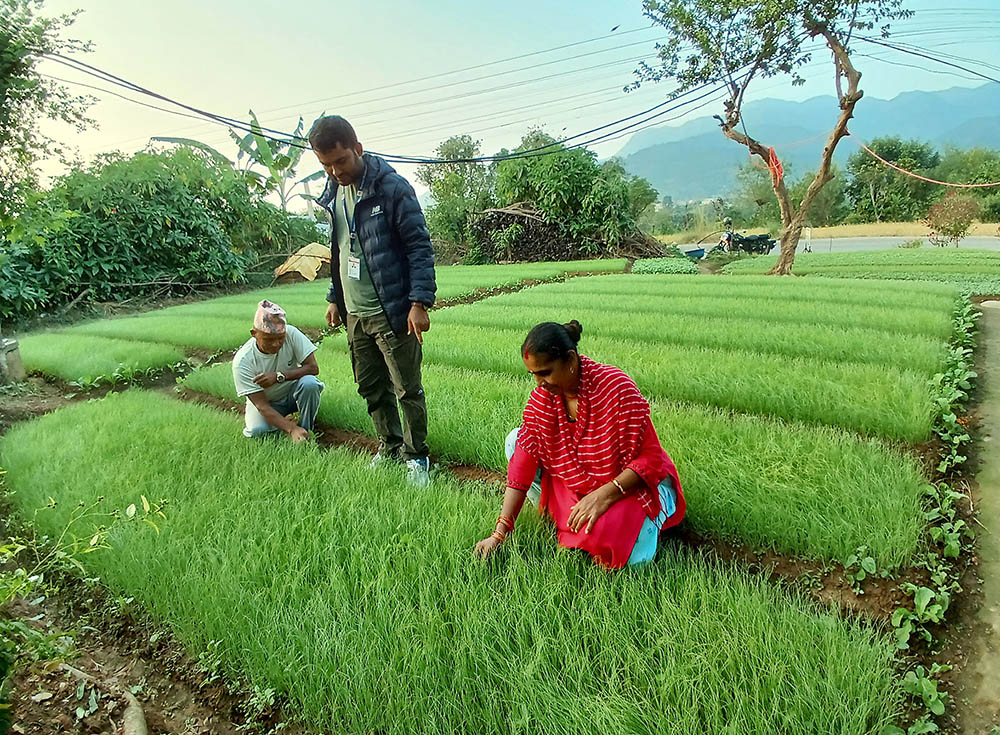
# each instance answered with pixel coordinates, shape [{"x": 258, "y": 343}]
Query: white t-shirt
[{"x": 250, "y": 362}]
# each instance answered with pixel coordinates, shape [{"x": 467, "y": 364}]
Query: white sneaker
[{"x": 419, "y": 471}]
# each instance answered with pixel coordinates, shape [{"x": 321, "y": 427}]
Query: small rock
[
  {"x": 41, "y": 697},
  {"x": 65, "y": 721}
]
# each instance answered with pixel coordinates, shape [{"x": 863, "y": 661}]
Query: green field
[
  {"x": 974, "y": 270},
  {"x": 791, "y": 487},
  {"x": 224, "y": 323},
  {"x": 363, "y": 605},
  {"x": 790, "y": 406},
  {"x": 89, "y": 359}
]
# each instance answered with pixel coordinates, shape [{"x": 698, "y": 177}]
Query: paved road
[{"x": 845, "y": 244}]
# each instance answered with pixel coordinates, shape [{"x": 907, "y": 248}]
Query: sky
[{"x": 408, "y": 74}]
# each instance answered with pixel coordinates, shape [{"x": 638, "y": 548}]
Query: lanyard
[{"x": 351, "y": 222}]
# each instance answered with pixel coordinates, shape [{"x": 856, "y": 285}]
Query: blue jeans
[{"x": 304, "y": 398}]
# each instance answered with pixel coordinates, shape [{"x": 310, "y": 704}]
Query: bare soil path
[{"x": 981, "y": 680}]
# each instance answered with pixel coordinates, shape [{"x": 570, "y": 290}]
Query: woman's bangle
[
  {"x": 619, "y": 486},
  {"x": 499, "y": 536},
  {"x": 507, "y": 522}
]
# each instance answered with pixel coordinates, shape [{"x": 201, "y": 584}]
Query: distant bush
[
  {"x": 665, "y": 265},
  {"x": 127, "y": 225},
  {"x": 911, "y": 244},
  {"x": 951, "y": 218}
]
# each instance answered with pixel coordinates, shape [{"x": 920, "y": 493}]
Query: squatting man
[{"x": 276, "y": 370}]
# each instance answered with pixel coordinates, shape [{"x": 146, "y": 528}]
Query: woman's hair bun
[{"x": 574, "y": 329}]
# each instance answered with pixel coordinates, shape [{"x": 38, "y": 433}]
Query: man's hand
[
  {"x": 418, "y": 321},
  {"x": 266, "y": 380},
  {"x": 333, "y": 316},
  {"x": 298, "y": 434},
  {"x": 589, "y": 508}
]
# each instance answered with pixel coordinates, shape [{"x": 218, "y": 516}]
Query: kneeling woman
[{"x": 605, "y": 480}]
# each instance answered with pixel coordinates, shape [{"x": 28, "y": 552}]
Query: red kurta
[{"x": 612, "y": 432}]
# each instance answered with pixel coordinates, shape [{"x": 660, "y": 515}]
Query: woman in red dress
[{"x": 606, "y": 482}]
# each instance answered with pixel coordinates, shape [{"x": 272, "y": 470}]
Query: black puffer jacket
[{"x": 394, "y": 239}]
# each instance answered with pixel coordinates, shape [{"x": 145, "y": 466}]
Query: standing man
[
  {"x": 276, "y": 370},
  {"x": 382, "y": 269}
]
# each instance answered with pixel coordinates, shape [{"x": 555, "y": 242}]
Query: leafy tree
[
  {"x": 26, "y": 97},
  {"x": 460, "y": 190},
  {"x": 589, "y": 202},
  {"x": 739, "y": 41},
  {"x": 974, "y": 166},
  {"x": 879, "y": 194}
]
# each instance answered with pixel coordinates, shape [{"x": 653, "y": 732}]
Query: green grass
[
  {"x": 869, "y": 399},
  {"x": 974, "y": 270},
  {"x": 206, "y": 332},
  {"x": 739, "y": 332},
  {"x": 360, "y": 601},
  {"x": 88, "y": 358},
  {"x": 925, "y": 310},
  {"x": 224, "y": 323},
  {"x": 665, "y": 265},
  {"x": 793, "y": 488}
]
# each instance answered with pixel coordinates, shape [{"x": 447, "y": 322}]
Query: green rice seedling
[
  {"x": 308, "y": 314},
  {"x": 359, "y": 600},
  {"x": 205, "y": 331},
  {"x": 89, "y": 359},
  {"x": 974, "y": 270},
  {"x": 790, "y": 487},
  {"x": 867, "y": 258},
  {"x": 869, "y": 399},
  {"x": 932, "y": 323},
  {"x": 822, "y": 342},
  {"x": 665, "y": 265},
  {"x": 859, "y": 292}
]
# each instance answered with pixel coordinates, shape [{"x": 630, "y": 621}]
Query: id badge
[{"x": 354, "y": 268}]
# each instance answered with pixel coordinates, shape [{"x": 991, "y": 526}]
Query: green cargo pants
[{"x": 387, "y": 368}]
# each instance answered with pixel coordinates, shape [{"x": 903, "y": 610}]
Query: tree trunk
[
  {"x": 792, "y": 221},
  {"x": 790, "y": 235}
]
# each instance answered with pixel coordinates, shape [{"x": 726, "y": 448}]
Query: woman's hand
[
  {"x": 590, "y": 507},
  {"x": 486, "y": 547}
]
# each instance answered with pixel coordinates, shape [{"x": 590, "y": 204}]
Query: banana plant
[{"x": 278, "y": 158}]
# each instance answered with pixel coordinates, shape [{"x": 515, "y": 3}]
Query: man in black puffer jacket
[{"x": 382, "y": 269}]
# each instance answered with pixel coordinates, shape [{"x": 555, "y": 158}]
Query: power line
[
  {"x": 929, "y": 57},
  {"x": 892, "y": 165},
  {"x": 617, "y": 34},
  {"x": 289, "y": 140}
]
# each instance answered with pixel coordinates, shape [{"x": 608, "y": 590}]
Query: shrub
[
  {"x": 125, "y": 224},
  {"x": 665, "y": 265},
  {"x": 951, "y": 218}
]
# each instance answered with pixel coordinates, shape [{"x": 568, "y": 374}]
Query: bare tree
[{"x": 734, "y": 42}]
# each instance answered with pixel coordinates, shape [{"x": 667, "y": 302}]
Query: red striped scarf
[{"x": 606, "y": 436}]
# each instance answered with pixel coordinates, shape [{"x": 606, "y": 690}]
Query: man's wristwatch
[
  {"x": 280, "y": 377},
  {"x": 419, "y": 305}
]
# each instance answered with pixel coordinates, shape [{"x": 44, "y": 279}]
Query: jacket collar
[{"x": 375, "y": 167}]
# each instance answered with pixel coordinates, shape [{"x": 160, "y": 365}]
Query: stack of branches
[{"x": 521, "y": 233}]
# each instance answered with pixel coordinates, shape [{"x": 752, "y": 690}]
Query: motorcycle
[{"x": 734, "y": 242}]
